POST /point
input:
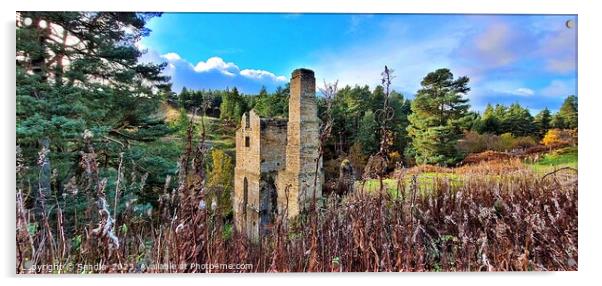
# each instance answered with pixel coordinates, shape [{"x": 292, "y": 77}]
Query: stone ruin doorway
[{"x": 268, "y": 208}]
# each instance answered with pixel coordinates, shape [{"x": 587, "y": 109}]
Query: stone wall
[
  {"x": 275, "y": 154},
  {"x": 273, "y": 144},
  {"x": 247, "y": 167},
  {"x": 302, "y": 145}
]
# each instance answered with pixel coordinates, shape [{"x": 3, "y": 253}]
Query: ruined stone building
[{"x": 276, "y": 160}]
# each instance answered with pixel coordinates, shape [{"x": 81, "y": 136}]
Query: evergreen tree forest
[{"x": 78, "y": 73}]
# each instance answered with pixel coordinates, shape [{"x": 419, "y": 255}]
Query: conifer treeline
[{"x": 425, "y": 129}]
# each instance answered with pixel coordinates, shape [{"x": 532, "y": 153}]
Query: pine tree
[
  {"x": 280, "y": 101},
  {"x": 233, "y": 105},
  {"x": 184, "y": 98},
  {"x": 378, "y": 98},
  {"x": 569, "y": 112},
  {"x": 489, "y": 123},
  {"x": 558, "y": 121},
  {"x": 263, "y": 104},
  {"x": 97, "y": 83},
  {"x": 197, "y": 99},
  {"x": 518, "y": 121},
  {"x": 543, "y": 122},
  {"x": 78, "y": 71},
  {"x": 227, "y": 106},
  {"x": 399, "y": 123},
  {"x": 366, "y": 134},
  {"x": 438, "y": 112}
]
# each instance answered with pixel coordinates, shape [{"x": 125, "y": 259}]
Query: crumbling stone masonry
[{"x": 276, "y": 160}]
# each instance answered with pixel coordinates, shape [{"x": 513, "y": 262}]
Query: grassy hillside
[
  {"x": 565, "y": 157},
  {"x": 219, "y": 135}
]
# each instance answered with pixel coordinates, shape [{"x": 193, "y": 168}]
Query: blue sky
[{"x": 530, "y": 59}]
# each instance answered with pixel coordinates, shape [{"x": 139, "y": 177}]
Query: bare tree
[
  {"x": 329, "y": 91},
  {"x": 377, "y": 163}
]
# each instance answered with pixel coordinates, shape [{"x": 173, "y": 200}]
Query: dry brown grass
[
  {"x": 485, "y": 157},
  {"x": 513, "y": 221},
  {"x": 171, "y": 114}
]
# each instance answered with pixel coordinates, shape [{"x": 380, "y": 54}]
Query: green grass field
[
  {"x": 425, "y": 182},
  {"x": 565, "y": 157}
]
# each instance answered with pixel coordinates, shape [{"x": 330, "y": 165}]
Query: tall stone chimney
[{"x": 302, "y": 150}]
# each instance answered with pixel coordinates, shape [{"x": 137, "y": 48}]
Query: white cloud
[
  {"x": 172, "y": 56},
  {"x": 214, "y": 73},
  {"x": 261, "y": 74},
  {"x": 217, "y": 63},
  {"x": 523, "y": 91},
  {"x": 505, "y": 87}
]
